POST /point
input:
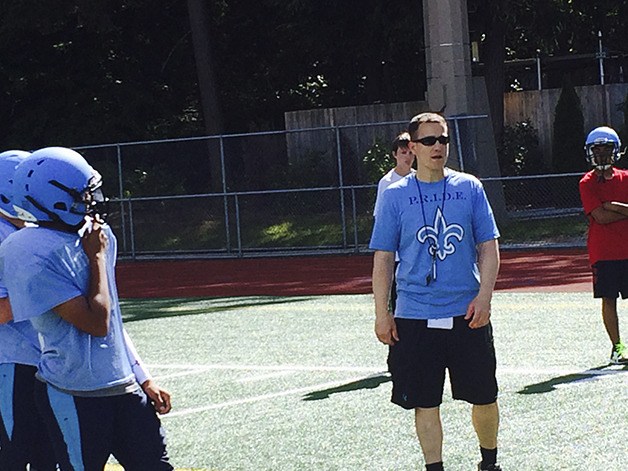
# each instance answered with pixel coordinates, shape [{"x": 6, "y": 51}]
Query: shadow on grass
[
  {"x": 370, "y": 382},
  {"x": 143, "y": 309},
  {"x": 592, "y": 373}
]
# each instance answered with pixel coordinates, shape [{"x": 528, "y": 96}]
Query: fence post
[
  {"x": 224, "y": 191},
  {"x": 458, "y": 144},
  {"x": 601, "y": 55},
  {"x": 340, "y": 188},
  {"x": 538, "y": 73},
  {"x": 238, "y": 233},
  {"x": 132, "y": 230},
  {"x": 355, "y": 219},
  {"x": 121, "y": 196}
]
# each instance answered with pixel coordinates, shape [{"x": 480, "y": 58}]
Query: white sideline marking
[
  {"x": 611, "y": 369},
  {"x": 237, "y": 402},
  {"x": 366, "y": 369},
  {"x": 276, "y": 374},
  {"x": 280, "y": 370},
  {"x": 276, "y": 370},
  {"x": 192, "y": 369}
]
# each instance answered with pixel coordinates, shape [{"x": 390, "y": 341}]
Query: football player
[
  {"x": 60, "y": 275},
  {"x": 23, "y": 438},
  {"x": 604, "y": 194}
]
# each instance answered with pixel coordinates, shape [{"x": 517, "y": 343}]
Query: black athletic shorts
[
  {"x": 610, "y": 278},
  {"x": 417, "y": 364}
]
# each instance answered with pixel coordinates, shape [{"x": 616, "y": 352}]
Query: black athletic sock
[
  {"x": 488, "y": 456},
  {"x": 435, "y": 466}
]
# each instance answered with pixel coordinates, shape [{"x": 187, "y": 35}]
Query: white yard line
[
  {"x": 614, "y": 369},
  {"x": 262, "y": 397},
  {"x": 201, "y": 368},
  {"x": 280, "y": 370},
  {"x": 192, "y": 369},
  {"x": 276, "y": 374}
]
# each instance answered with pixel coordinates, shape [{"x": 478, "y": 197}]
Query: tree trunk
[
  {"x": 494, "y": 56},
  {"x": 205, "y": 67}
]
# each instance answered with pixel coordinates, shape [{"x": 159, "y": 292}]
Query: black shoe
[
  {"x": 619, "y": 355},
  {"x": 490, "y": 467}
]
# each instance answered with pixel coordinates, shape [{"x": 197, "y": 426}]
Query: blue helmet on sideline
[
  {"x": 602, "y": 136},
  {"x": 9, "y": 160},
  {"x": 56, "y": 184}
]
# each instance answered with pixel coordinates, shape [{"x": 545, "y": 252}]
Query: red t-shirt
[{"x": 605, "y": 241}]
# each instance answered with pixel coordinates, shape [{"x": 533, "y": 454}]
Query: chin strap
[{"x": 603, "y": 167}]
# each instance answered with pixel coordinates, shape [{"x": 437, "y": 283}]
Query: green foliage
[
  {"x": 565, "y": 229},
  {"x": 94, "y": 72},
  {"x": 105, "y": 71},
  {"x": 520, "y": 153},
  {"x": 568, "y": 141},
  {"x": 377, "y": 161},
  {"x": 154, "y": 180},
  {"x": 311, "y": 170}
]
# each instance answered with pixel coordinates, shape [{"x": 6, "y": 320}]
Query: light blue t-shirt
[
  {"x": 448, "y": 218},
  {"x": 45, "y": 268},
  {"x": 18, "y": 340}
]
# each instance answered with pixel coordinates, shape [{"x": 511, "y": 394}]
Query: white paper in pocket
[{"x": 446, "y": 323}]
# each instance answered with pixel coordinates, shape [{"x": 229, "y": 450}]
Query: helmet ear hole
[{"x": 49, "y": 186}]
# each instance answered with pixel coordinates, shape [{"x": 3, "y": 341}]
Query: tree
[
  {"x": 209, "y": 91},
  {"x": 94, "y": 71},
  {"x": 568, "y": 139},
  {"x": 104, "y": 71},
  {"x": 205, "y": 65},
  {"x": 496, "y": 19}
]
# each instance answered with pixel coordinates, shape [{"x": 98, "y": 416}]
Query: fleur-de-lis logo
[{"x": 440, "y": 235}]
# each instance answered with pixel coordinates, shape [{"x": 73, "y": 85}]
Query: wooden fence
[{"x": 601, "y": 105}]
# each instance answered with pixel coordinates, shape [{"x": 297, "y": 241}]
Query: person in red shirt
[{"x": 604, "y": 195}]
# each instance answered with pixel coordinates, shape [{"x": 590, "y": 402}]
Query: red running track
[{"x": 565, "y": 270}]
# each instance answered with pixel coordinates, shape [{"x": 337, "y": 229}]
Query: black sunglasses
[{"x": 431, "y": 140}]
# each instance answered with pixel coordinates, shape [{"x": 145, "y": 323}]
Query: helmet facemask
[
  {"x": 88, "y": 202},
  {"x": 602, "y": 148},
  {"x": 602, "y": 156}
]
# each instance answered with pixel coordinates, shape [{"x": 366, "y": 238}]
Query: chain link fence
[{"x": 305, "y": 191}]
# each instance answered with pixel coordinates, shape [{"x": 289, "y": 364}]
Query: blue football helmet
[
  {"x": 603, "y": 136},
  {"x": 56, "y": 184},
  {"x": 8, "y": 162}
]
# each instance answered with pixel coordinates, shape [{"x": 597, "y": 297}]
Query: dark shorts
[
  {"x": 85, "y": 431},
  {"x": 417, "y": 364},
  {"x": 392, "y": 303},
  {"x": 23, "y": 437},
  {"x": 610, "y": 279}
]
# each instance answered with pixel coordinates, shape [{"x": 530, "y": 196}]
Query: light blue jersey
[
  {"x": 18, "y": 341},
  {"x": 435, "y": 228},
  {"x": 43, "y": 268}
]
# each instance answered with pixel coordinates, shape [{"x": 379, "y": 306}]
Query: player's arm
[
  {"x": 383, "y": 267},
  {"x": 609, "y": 212},
  {"x": 158, "y": 396},
  {"x": 617, "y": 207},
  {"x": 479, "y": 310},
  {"x": 91, "y": 313},
  {"x": 6, "y": 314}
]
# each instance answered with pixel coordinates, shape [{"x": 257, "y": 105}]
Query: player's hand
[
  {"x": 94, "y": 240},
  {"x": 386, "y": 329},
  {"x": 479, "y": 312},
  {"x": 158, "y": 396}
]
